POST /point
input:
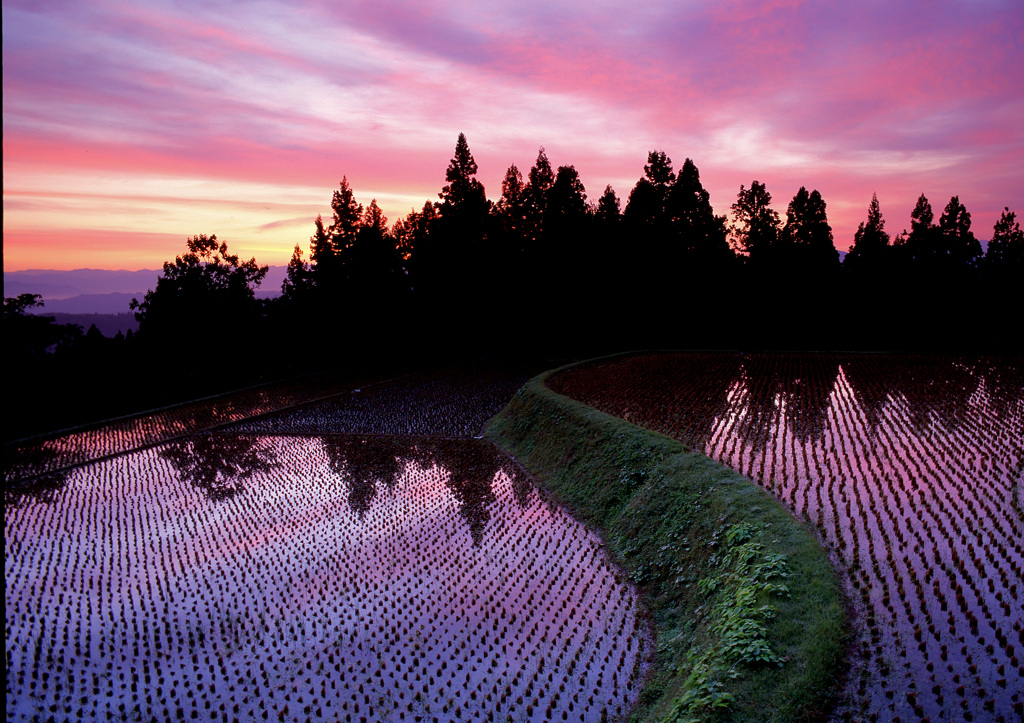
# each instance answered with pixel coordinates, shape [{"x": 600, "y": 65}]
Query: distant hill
[
  {"x": 54, "y": 285},
  {"x": 101, "y": 291},
  {"x": 108, "y": 324},
  {"x": 115, "y": 303}
]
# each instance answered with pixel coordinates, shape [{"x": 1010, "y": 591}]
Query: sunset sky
[{"x": 128, "y": 126}]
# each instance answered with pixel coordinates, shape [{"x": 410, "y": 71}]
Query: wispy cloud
[{"x": 851, "y": 98}]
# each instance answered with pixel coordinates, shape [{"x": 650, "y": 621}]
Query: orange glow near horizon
[{"x": 201, "y": 121}]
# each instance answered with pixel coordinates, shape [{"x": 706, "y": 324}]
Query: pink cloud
[{"x": 849, "y": 98}]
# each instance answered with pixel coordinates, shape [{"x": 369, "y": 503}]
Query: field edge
[{"x": 668, "y": 516}]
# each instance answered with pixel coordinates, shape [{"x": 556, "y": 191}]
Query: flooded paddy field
[
  {"x": 912, "y": 470},
  {"x": 454, "y": 401},
  {"x": 450, "y": 403},
  {"x": 240, "y": 576}
]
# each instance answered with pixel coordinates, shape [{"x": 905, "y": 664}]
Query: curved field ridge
[
  {"x": 912, "y": 468},
  {"x": 747, "y": 611},
  {"x": 336, "y": 578}
]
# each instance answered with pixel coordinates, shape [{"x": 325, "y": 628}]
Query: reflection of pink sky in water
[
  {"x": 915, "y": 517},
  {"x": 915, "y": 499},
  {"x": 134, "y": 589}
]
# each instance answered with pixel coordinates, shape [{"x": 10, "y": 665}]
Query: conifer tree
[
  {"x": 756, "y": 223},
  {"x": 806, "y": 238},
  {"x": 1006, "y": 247},
  {"x": 608, "y": 208},
  {"x": 959, "y": 245},
  {"x": 538, "y": 187},
  {"x": 700, "y": 234},
  {"x": 870, "y": 242},
  {"x": 463, "y": 195},
  {"x": 347, "y": 217}
]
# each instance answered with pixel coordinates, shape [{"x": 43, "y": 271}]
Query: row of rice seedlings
[
  {"x": 124, "y": 435},
  {"x": 446, "y": 403},
  {"x": 453, "y": 403},
  {"x": 908, "y": 468},
  {"x": 136, "y": 595}
]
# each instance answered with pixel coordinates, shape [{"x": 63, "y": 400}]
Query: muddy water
[{"x": 319, "y": 578}]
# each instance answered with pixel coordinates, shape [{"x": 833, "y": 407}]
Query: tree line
[{"x": 547, "y": 269}]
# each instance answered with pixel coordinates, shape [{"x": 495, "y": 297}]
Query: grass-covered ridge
[{"x": 748, "y": 617}]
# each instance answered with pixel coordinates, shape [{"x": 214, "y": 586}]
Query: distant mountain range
[
  {"x": 100, "y": 296},
  {"x": 100, "y": 291}
]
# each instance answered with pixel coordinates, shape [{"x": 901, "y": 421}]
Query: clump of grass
[{"x": 748, "y": 618}]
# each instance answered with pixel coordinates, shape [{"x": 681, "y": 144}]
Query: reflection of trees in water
[
  {"x": 22, "y": 484},
  {"x": 219, "y": 465},
  {"x": 808, "y": 389},
  {"x": 1004, "y": 384},
  {"x": 802, "y": 384},
  {"x": 669, "y": 385},
  {"x": 872, "y": 385},
  {"x": 364, "y": 464},
  {"x": 933, "y": 389},
  {"x": 681, "y": 395},
  {"x": 467, "y": 466},
  {"x": 43, "y": 488},
  {"x": 471, "y": 466}
]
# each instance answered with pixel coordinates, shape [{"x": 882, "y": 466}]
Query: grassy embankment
[{"x": 747, "y": 612}]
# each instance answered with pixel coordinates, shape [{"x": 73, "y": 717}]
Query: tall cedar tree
[
  {"x": 914, "y": 249},
  {"x": 464, "y": 195},
  {"x": 538, "y": 187},
  {"x": 806, "y": 240},
  {"x": 960, "y": 246},
  {"x": 1005, "y": 255},
  {"x": 701, "y": 235},
  {"x": 756, "y": 223},
  {"x": 869, "y": 253}
]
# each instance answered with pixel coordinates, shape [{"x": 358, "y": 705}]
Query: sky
[{"x": 130, "y": 126}]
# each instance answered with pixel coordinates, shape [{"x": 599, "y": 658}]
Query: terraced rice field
[
  {"x": 235, "y": 576},
  {"x": 912, "y": 470}
]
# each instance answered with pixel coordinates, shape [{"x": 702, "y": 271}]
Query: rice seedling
[
  {"x": 320, "y": 578},
  {"x": 910, "y": 469}
]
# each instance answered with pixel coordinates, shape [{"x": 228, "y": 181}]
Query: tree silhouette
[
  {"x": 658, "y": 170},
  {"x": 959, "y": 247},
  {"x": 805, "y": 243},
  {"x": 507, "y": 242},
  {"x": 651, "y": 267},
  {"x": 756, "y": 223},
  {"x": 347, "y": 219},
  {"x": 299, "y": 283},
  {"x": 464, "y": 195},
  {"x": 609, "y": 210},
  {"x": 916, "y": 249},
  {"x": 449, "y": 267},
  {"x": 1005, "y": 255},
  {"x": 541, "y": 178},
  {"x": 29, "y": 337},
  {"x": 1003, "y": 275},
  {"x": 871, "y": 277},
  {"x": 512, "y": 206},
  {"x": 411, "y": 235},
  {"x": 869, "y": 253},
  {"x": 203, "y": 308},
  {"x": 646, "y": 208},
  {"x": 700, "y": 235}
]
